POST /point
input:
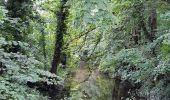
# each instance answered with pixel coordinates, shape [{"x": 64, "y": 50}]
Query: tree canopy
[{"x": 84, "y": 50}]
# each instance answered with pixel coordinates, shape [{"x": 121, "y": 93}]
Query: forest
[{"x": 84, "y": 49}]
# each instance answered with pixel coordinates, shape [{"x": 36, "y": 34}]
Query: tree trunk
[
  {"x": 115, "y": 89},
  {"x": 43, "y": 47},
  {"x": 153, "y": 23},
  {"x": 61, "y": 30},
  {"x": 141, "y": 16},
  {"x": 136, "y": 35}
]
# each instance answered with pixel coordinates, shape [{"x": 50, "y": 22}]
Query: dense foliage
[{"x": 96, "y": 49}]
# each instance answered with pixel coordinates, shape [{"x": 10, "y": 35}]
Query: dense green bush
[{"x": 18, "y": 70}]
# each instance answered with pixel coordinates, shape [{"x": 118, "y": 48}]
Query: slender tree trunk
[
  {"x": 142, "y": 23},
  {"x": 115, "y": 89},
  {"x": 153, "y": 23},
  {"x": 136, "y": 29},
  {"x": 44, "y": 47},
  {"x": 61, "y": 30},
  {"x": 150, "y": 35},
  {"x": 136, "y": 35}
]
